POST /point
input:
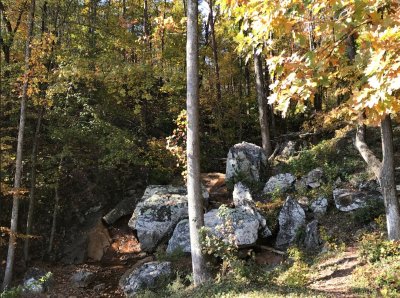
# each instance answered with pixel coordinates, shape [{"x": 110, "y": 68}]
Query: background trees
[{"x": 106, "y": 81}]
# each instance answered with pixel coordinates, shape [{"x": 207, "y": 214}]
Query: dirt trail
[{"x": 333, "y": 276}]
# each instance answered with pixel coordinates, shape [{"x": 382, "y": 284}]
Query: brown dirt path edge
[{"x": 333, "y": 276}]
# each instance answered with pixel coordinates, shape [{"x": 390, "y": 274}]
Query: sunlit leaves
[{"x": 371, "y": 81}]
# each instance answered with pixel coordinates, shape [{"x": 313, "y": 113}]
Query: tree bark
[
  {"x": 262, "y": 105},
  {"x": 33, "y": 185},
  {"x": 18, "y": 168},
  {"x": 195, "y": 200},
  {"x": 387, "y": 180},
  {"x": 54, "y": 220},
  {"x": 215, "y": 54},
  {"x": 384, "y": 172}
]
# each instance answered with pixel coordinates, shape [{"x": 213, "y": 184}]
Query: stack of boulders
[{"x": 161, "y": 215}]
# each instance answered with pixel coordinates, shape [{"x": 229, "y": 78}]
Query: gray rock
[
  {"x": 246, "y": 225},
  {"x": 369, "y": 185},
  {"x": 312, "y": 241},
  {"x": 37, "y": 280},
  {"x": 180, "y": 239},
  {"x": 247, "y": 160},
  {"x": 80, "y": 237},
  {"x": 243, "y": 198},
  {"x": 148, "y": 276},
  {"x": 159, "y": 211},
  {"x": 82, "y": 278},
  {"x": 349, "y": 200},
  {"x": 304, "y": 202},
  {"x": 314, "y": 178},
  {"x": 242, "y": 195},
  {"x": 319, "y": 206},
  {"x": 279, "y": 183},
  {"x": 291, "y": 218},
  {"x": 125, "y": 207},
  {"x": 289, "y": 149}
]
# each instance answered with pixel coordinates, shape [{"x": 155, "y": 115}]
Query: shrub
[
  {"x": 381, "y": 277},
  {"x": 372, "y": 210},
  {"x": 297, "y": 274},
  {"x": 374, "y": 247}
]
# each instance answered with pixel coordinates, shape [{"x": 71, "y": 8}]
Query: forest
[{"x": 182, "y": 148}]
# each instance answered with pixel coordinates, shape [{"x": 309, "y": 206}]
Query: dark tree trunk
[
  {"x": 262, "y": 105},
  {"x": 33, "y": 185}
]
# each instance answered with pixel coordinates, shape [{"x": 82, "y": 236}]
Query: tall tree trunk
[
  {"x": 195, "y": 200},
  {"x": 262, "y": 105},
  {"x": 146, "y": 24},
  {"x": 54, "y": 219},
  {"x": 215, "y": 54},
  {"x": 18, "y": 168},
  {"x": 387, "y": 180},
  {"x": 384, "y": 172},
  {"x": 56, "y": 206},
  {"x": 33, "y": 185}
]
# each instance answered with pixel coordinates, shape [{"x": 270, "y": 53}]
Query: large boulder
[
  {"x": 247, "y": 161},
  {"x": 148, "y": 276},
  {"x": 242, "y": 195},
  {"x": 180, "y": 240},
  {"x": 124, "y": 207},
  {"x": 312, "y": 241},
  {"x": 242, "y": 198},
  {"x": 87, "y": 240},
  {"x": 241, "y": 221},
  {"x": 279, "y": 183},
  {"x": 82, "y": 278},
  {"x": 291, "y": 218},
  {"x": 159, "y": 211},
  {"x": 349, "y": 199}
]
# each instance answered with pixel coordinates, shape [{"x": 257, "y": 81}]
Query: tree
[
  {"x": 371, "y": 84},
  {"x": 18, "y": 168},
  {"x": 262, "y": 104},
  {"x": 195, "y": 200}
]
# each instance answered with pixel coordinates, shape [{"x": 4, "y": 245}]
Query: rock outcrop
[
  {"x": 148, "y": 276},
  {"x": 240, "y": 222},
  {"x": 312, "y": 241},
  {"x": 291, "y": 218},
  {"x": 319, "y": 206},
  {"x": 157, "y": 214},
  {"x": 349, "y": 200},
  {"x": 247, "y": 161},
  {"x": 279, "y": 183},
  {"x": 37, "y": 280}
]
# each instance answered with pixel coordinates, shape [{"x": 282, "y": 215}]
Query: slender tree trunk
[
  {"x": 195, "y": 200},
  {"x": 146, "y": 24},
  {"x": 247, "y": 79},
  {"x": 215, "y": 54},
  {"x": 18, "y": 169},
  {"x": 384, "y": 172},
  {"x": 33, "y": 185},
  {"x": 56, "y": 206},
  {"x": 387, "y": 180},
  {"x": 262, "y": 105},
  {"x": 54, "y": 219}
]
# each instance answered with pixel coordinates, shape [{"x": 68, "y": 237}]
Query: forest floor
[{"x": 331, "y": 278}]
